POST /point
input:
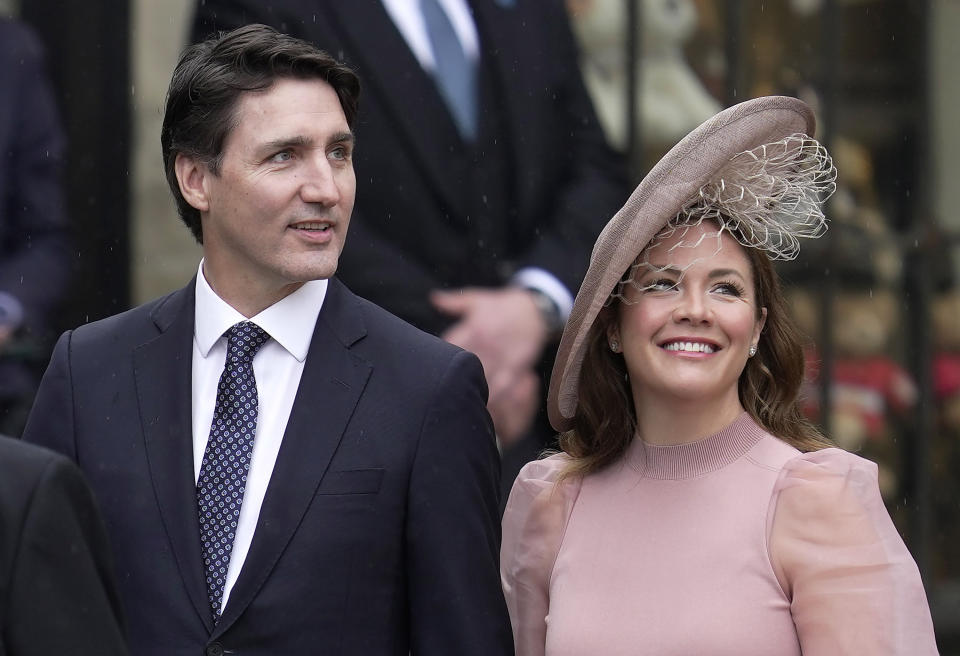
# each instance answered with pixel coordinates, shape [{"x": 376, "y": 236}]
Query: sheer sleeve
[
  {"x": 852, "y": 584},
  {"x": 533, "y": 525}
]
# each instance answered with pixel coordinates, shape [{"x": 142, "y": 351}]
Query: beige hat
[{"x": 675, "y": 182}]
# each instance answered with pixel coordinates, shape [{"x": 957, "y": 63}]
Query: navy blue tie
[
  {"x": 226, "y": 460},
  {"x": 456, "y": 75}
]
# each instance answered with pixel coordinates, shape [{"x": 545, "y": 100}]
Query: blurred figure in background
[
  {"x": 33, "y": 236},
  {"x": 485, "y": 175}
]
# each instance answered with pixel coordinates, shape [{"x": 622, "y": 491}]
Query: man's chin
[{"x": 312, "y": 271}]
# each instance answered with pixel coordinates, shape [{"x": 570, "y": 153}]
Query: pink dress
[{"x": 734, "y": 545}]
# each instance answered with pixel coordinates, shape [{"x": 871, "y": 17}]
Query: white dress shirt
[
  {"x": 407, "y": 17},
  {"x": 277, "y": 366}
]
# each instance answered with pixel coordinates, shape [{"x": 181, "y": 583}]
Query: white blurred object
[
  {"x": 672, "y": 100},
  {"x": 806, "y": 7}
]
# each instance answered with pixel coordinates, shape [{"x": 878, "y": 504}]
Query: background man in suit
[
  {"x": 362, "y": 519},
  {"x": 34, "y": 253},
  {"x": 483, "y": 196},
  {"x": 57, "y": 590}
]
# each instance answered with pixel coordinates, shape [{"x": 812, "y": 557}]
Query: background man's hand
[{"x": 506, "y": 331}]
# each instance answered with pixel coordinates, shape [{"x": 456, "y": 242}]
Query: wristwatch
[{"x": 548, "y": 310}]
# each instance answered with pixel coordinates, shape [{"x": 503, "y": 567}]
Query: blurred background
[{"x": 879, "y": 296}]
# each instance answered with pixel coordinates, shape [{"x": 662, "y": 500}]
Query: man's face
[{"x": 277, "y": 213}]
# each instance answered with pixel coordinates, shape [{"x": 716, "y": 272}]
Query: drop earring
[{"x": 753, "y": 350}]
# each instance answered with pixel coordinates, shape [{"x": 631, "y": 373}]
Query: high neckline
[{"x": 693, "y": 459}]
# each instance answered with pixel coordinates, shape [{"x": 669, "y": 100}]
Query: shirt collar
[{"x": 290, "y": 321}]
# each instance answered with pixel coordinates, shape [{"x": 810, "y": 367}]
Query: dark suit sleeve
[
  {"x": 453, "y": 525},
  {"x": 62, "y": 597},
  {"x": 50, "y": 423}
]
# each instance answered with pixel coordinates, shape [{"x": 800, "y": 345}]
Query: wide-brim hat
[{"x": 669, "y": 186}]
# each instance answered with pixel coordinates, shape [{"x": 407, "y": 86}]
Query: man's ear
[{"x": 191, "y": 176}]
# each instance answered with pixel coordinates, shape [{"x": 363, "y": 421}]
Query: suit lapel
[
  {"x": 332, "y": 382},
  {"x": 407, "y": 92},
  {"x": 163, "y": 373}
]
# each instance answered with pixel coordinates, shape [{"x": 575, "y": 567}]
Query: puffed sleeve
[
  {"x": 533, "y": 525},
  {"x": 852, "y": 584}
]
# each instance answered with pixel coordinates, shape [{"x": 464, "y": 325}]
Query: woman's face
[{"x": 689, "y": 319}]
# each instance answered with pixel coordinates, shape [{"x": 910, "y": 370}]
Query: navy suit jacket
[{"x": 379, "y": 532}]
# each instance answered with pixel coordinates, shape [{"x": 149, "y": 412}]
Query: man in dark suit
[
  {"x": 57, "y": 590},
  {"x": 476, "y": 228},
  {"x": 34, "y": 253},
  {"x": 339, "y": 492}
]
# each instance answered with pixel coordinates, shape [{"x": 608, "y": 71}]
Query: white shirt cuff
[{"x": 547, "y": 283}]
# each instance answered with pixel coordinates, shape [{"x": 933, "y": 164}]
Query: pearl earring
[
  {"x": 753, "y": 350},
  {"x": 614, "y": 346}
]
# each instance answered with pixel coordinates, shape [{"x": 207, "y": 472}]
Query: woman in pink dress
[{"x": 693, "y": 510}]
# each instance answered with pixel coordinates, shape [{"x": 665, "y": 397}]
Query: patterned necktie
[
  {"x": 456, "y": 75},
  {"x": 226, "y": 460}
]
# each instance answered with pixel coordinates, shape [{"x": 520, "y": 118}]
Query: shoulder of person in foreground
[
  {"x": 59, "y": 590},
  {"x": 852, "y": 584},
  {"x": 534, "y": 523}
]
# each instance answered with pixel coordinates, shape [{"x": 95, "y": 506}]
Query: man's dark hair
[{"x": 209, "y": 81}]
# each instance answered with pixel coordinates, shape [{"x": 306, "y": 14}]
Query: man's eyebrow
[
  {"x": 283, "y": 143},
  {"x": 301, "y": 141}
]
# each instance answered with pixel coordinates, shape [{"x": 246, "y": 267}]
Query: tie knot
[{"x": 244, "y": 339}]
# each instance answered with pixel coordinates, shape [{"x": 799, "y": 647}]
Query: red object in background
[
  {"x": 946, "y": 375},
  {"x": 871, "y": 387}
]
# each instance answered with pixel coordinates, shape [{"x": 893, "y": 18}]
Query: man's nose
[{"x": 319, "y": 184}]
